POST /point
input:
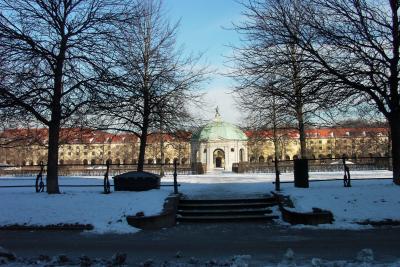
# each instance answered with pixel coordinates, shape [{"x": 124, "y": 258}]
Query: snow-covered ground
[
  {"x": 367, "y": 200},
  {"x": 232, "y": 185},
  {"x": 364, "y": 258},
  {"x": 373, "y": 200},
  {"x": 83, "y": 205}
]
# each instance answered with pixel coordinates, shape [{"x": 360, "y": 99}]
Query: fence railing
[
  {"x": 317, "y": 165},
  {"x": 94, "y": 170}
]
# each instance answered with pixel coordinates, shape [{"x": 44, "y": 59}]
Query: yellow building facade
[{"x": 96, "y": 147}]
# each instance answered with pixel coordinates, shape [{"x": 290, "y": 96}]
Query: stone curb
[
  {"x": 315, "y": 217},
  {"x": 51, "y": 227}
]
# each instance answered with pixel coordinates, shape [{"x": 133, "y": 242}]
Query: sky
[{"x": 202, "y": 29}]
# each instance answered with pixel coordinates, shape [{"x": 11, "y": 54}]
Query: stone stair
[{"x": 226, "y": 210}]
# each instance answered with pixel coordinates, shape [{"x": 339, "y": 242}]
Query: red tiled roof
[
  {"x": 89, "y": 136},
  {"x": 324, "y": 132},
  {"x": 81, "y": 136}
]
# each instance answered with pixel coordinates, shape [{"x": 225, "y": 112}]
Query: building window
[
  {"x": 232, "y": 149},
  {"x": 93, "y": 153}
]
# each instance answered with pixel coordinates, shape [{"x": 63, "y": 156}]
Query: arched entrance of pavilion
[{"x": 219, "y": 158}]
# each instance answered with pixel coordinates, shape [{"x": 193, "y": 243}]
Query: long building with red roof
[{"x": 87, "y": 146}]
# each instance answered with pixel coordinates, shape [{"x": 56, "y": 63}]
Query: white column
[{"x": 210, "y": 164}]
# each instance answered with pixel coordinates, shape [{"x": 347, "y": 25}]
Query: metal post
[
  {"x": 277, "y": 178},
  {"x": 39, "y": 185},
  {"x": 346, "y": 177},
  {"x": 107, "y": 188},
  {"x": 175, "y": 177}
]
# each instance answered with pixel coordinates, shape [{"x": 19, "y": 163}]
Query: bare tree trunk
[
  {"x": 395, "y": 134},
  {"x": 142, "y": 148},
  {"x": 297, "y": 86},
  {"x": 302, "y": 135},
  {"x": 276, "y": 164},
  {"x": 162, "y": 154},
  {"x": 54, "y": 125},
  {"x": 52, "y": 159},
  {"x": 276, "y": 146}
]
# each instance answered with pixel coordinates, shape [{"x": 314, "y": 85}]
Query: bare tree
[
  {"x": 265, "y": 53},
  {"x": 267, "y": 116},
  {"x": 54, "y": 55},
  {"x": 153, "y": 80},
  {"x": 355, "y": 45}
]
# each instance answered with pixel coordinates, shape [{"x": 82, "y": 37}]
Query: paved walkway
[{"x": 266, "y": 243}]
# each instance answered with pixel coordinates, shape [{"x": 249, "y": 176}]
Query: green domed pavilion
[
  {"x": 218, "y": 145},
  {"x": 219, "y": 130}
]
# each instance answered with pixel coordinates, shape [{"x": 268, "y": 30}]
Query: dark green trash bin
[{"x": 301, "y": 173}]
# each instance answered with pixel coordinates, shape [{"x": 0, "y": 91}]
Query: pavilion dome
[{"x": 219, "y": 130}]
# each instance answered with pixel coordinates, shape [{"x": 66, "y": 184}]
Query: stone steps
[
  {"x": 226, "y": 210},
  {"x": 226, "y": 218}
]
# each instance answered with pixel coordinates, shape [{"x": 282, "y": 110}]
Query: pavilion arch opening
[
  {"x": 219, "y": 158},
  {"x": 184, "y": 161},
  {"x": 241, "y": 155}
]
